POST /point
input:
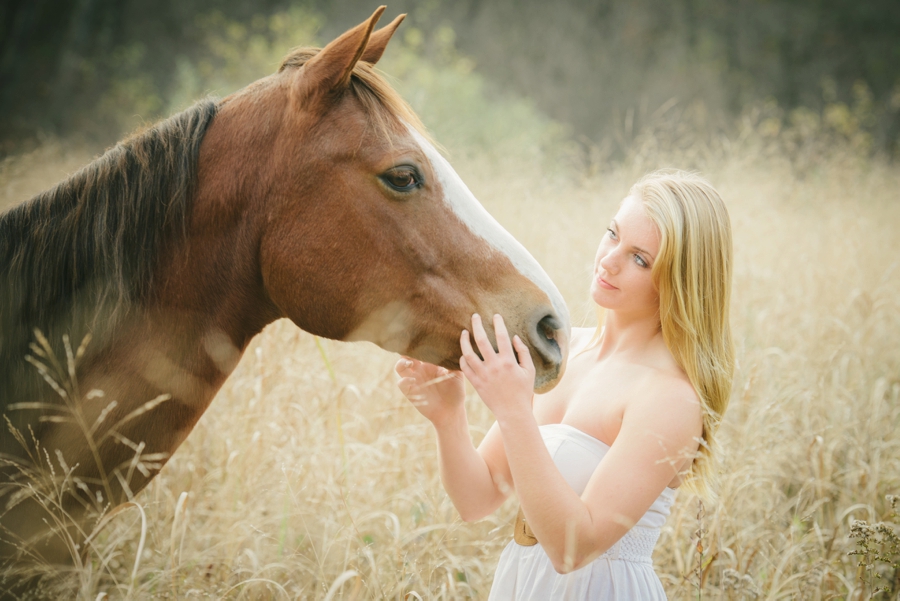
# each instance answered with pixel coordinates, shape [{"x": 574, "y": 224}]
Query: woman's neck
[{"x": 623, "y": 333}]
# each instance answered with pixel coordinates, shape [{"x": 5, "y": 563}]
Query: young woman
[{"x": 596, "y": 461}]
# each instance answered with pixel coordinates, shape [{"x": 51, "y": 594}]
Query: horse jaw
[{"x": 390, "y": 327}]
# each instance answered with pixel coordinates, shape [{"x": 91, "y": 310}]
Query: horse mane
[
  {"x": 85, "y": 250},
  {"x": 378, "y": 98}
]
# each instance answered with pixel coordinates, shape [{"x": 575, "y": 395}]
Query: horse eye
[{"x": 402, "y": 179}]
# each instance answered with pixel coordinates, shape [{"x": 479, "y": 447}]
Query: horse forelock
[{"x": 84, "y": 251}]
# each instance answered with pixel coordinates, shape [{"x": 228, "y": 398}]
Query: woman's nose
[{"x": 609, "y": 262}]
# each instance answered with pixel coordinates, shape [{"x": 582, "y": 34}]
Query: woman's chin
[{"x": 601, "y": 297}]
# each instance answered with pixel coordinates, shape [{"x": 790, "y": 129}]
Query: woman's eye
[
  {"x": 612, "y": 234},
  {"x": 640, "y": 261},
  {"x": 402, "y": 179}
]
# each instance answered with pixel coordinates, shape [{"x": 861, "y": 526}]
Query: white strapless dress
[{"x": 623, "y": 573}]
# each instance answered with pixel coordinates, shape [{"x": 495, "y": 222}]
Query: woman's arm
[
  {"x": 574, "y": 530},
  {"x": 477, "y": 481}
]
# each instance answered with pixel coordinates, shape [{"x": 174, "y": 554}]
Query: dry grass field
[{"x": 310, "y": 477}]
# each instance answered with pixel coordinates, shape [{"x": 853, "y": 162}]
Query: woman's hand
[
  {"x": 436, "y": 392},
  {"x": 504, "y": 383}
]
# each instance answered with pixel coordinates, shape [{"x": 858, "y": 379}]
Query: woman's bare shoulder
[
  {"x": 669, "y": 394},
  {"x": 672, "y": 385},
  {"x": 663, "y": 377}
]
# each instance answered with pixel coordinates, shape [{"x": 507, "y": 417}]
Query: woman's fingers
[
  {"x": 503, "y": 344},
  {"x": 470, "y": 363},
  {"x": 467, "y": 369},
  {"x": 403, "y": 364},
  {"x": 466, "y": 345},
  {"x": 524, "y": 354},
  {"x": 464, "y": 342},
  {"x": 481, "y": 338},
  {"x": 406, "y": 385}
]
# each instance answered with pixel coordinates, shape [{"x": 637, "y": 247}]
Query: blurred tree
[
  {"x": 58, "y": 58},
  {"x": 608, "y": 68}
]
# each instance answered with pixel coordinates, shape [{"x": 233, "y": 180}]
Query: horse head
[{"x": 367, "y": 232}]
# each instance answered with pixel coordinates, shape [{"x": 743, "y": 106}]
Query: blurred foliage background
[{"x": 608, "y": 71}]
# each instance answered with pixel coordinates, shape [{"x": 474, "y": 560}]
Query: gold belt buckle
[{"x": 522, "y": 533}]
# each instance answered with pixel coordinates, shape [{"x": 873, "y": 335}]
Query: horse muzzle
[{"x": 547, "y": 335}]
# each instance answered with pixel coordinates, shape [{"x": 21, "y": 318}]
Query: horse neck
[
  {"x": 208, "y": 299},
  {"x": 206, "y": 302},
  {"x": 202, "y": 290}
]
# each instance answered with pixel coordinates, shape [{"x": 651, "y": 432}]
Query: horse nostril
[
  {"x": 543, "y": 340},
  {"x": 547, "y": 326},
  {"x": 548, "y": 339}
]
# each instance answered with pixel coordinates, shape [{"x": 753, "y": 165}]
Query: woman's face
[{"x": 622, "y": 280}]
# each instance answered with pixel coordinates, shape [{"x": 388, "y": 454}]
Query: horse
[{"x": 129, "y": 291}]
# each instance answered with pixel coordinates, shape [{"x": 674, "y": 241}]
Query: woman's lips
[{"x": 604, "y": 284}]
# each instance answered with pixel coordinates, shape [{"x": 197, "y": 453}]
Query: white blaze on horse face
[{"x": 482, "y": 224}]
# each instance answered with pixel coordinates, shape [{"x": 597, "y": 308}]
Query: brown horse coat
[{"x": 311, "y": 194}]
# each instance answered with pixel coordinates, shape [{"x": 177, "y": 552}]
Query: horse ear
[
  {"x": 331, "y": 68},
  {"x": 378, "y": 41}
]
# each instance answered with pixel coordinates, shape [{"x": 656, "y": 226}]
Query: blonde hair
[{"x": 692, "y": 273}]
